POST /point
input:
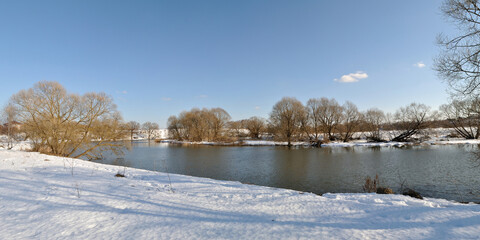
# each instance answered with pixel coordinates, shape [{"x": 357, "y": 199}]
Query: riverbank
[
  {"x": 354, "y": 143},
  {"x": 46, "y": 197},
  {"x": 430, "y": 136}
]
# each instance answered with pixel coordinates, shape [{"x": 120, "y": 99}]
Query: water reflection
[
  {"x": 374, "y": 148},
  {"x": 445, "y": 171},
  {"x": 122, "y": 162}
]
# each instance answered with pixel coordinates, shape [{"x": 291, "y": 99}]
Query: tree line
[
  {"x": 134, "y": 127},
  {"x": 199, "y": 125},
  {"x": 67, "y": 124},
  {"x": 324, "y": 119}
]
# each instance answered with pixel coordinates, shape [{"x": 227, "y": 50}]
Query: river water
[{"x": 441, "y": 171}]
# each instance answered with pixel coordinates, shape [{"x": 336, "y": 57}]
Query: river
[{"x": 440, "y": 171}]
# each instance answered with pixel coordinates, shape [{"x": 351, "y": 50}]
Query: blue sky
[{"x": 157, "y": 58}]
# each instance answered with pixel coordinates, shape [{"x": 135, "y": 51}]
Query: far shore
[{"x": 355, "y": 143}]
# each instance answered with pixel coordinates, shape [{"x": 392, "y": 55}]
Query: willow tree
[
  {"x": 286, "y": 117},
  {"x": 409, "y": 120},
  {"x": 464, "y": 117},
  {"x": 9, "y": 129},
  {"x": 199, "y": 125},
  {"x": 217, "y": 119},
  {"x": 373, "y": 120},
  {"x": 174, "y": 128},
  {"x": 150, "y": 128},
  {"x": 255, "y": 126},
  {"x": 314, "y": 117},
  {"x": 132, "y": 127},
  {"x": 351, "y": 120},
  {"x": 67, "y": 124},
  {"x": 330, "y": 114},
  {"x": 459, "y": 62}
]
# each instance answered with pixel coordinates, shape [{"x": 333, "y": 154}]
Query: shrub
[
  {"x": 371, "y": 185},
  {"x": 384, "y": 190},
  {"x": 66, "y": 124},
  {"x": 413, "y": 194}
]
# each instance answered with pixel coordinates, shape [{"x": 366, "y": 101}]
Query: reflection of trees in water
[
  {"x": 290, "y": 166},
  {"x": 349, "y": 149},
  {"x": 475, "y": 155},
  {"x": 374, "y": 148},
  {"x": 120, "y": 161},
  {"x": 407, "y": 147},
  {"x": 328, "y": 150}
]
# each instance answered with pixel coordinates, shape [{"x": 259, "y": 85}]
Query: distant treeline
[
  {"x": 66, "y": 124},
  {"x": 323, "y": 119}
]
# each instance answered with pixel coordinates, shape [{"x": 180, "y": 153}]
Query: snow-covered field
[{"x": 46, "y": 197}]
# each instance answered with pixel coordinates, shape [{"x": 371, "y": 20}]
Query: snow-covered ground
[
  {"x": 157, "y": 134},
  {"x": 46, "y": 197}
]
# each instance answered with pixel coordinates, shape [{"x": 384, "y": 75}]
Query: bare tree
[
  {"x": 217, "y": 121},
  {"x": 374, "y": 118},
  {"x": 132, "y": 127},
  {"x": 330, "y": 113},
  {"x": 463, "y": 115},
  {"x": 459, "y": 63},
  {"x": 305, "y": 126},
  {"x": 196, "y": 125},
  {"x": 351, "y": 120},
  {"x": 150, "y": 129},
  {"x": 175, "y": 128},
  {"x": 236, "y": 128},
  {"x": 285, "y": 118},
  {"x": 199, "y": 125},
  {"x": 314, "y": 116},
  {"x": 11, "y": 129},
  {"x": 67, "y": 124},
  {"x": 255, "y": 126},
  {"x": 409, "y": 120}
]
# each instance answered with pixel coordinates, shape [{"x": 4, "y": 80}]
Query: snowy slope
[{"x": 45, "y": 197}]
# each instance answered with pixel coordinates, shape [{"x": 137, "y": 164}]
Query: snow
[
  {"x": 46, "y": 197},
  {"x": 157, "y": 134},
  {"x": 17, "y": 145}
]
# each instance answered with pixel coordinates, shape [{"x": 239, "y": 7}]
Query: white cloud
[
  {"x": 257, "y": 107},
  {"x": 419, "y": 65},
  {"x": 124, "y": 92},
  {"x": 203, "y": 96},
  {"x": 352, "y": 77},
  {"x": 166, "y": 99}
]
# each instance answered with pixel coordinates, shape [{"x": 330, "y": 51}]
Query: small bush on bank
[
  {"x": 384, "y": 190},
  {"x": 412, "y": 193},
  {"x": 371, "y": 184}
]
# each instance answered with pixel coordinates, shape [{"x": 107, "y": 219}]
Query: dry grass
[{"x": 371, "y": 185}]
